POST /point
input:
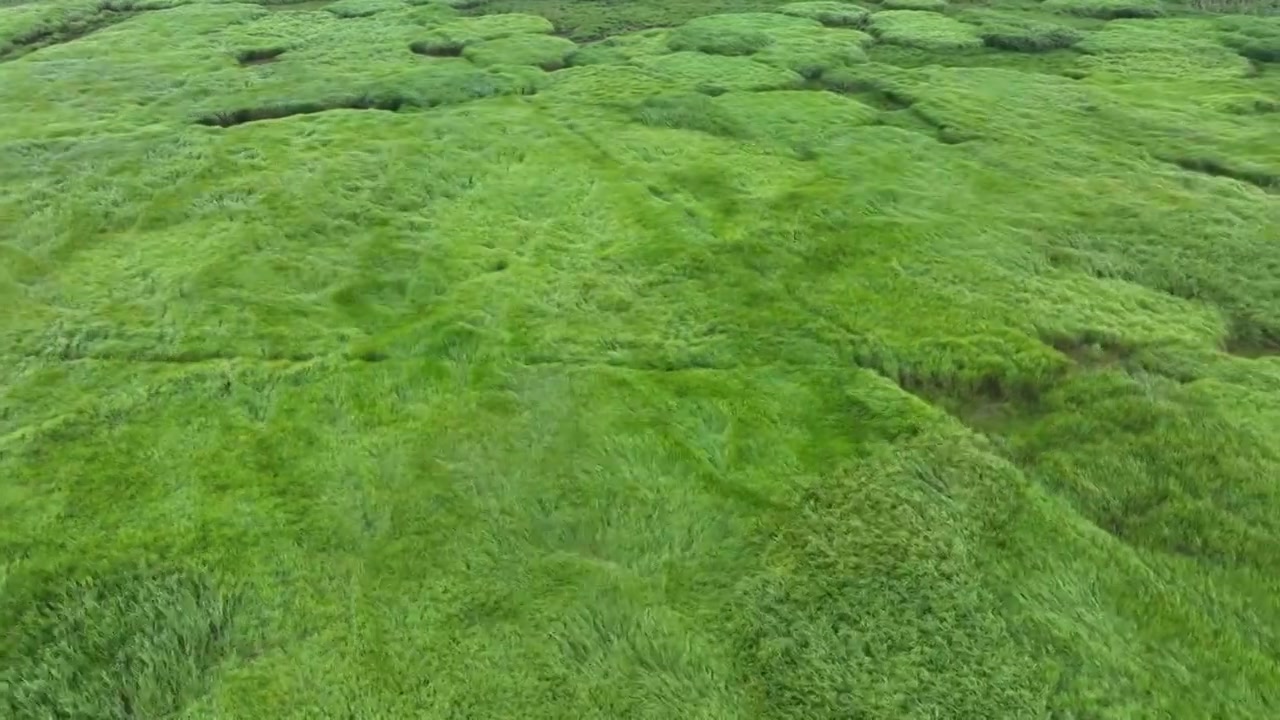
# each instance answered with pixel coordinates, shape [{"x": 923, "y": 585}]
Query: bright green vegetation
[
  {"x": 376, "y": 359},
  {"x": 923, "y": 29}
]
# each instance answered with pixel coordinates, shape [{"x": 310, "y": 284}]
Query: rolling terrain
[{"x": 694, "y": 359}]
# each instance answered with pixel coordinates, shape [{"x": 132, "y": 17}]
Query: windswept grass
[{"x": 568, "y": 359}]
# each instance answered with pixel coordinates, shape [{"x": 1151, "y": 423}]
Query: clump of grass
[
  {"x": 27, "y": 27},
  {"x": 1255, "y": 38},
  {"x": 1238, "y": 7},
  {"x": 1009, "y": 31},
  {"x": 717, "y": 73},
  {"x": 362, "y": 8},
  {"x": 930, "y": 5},
  {"x": 733, "y": 34},
  {"x": 1108, "y": 9},
  {"x": 811, "y": 52},
  {"x": 692, "y": 111},
  {"x": 140, "y": 644},
  {"x": 622, "y": 48},
  {"x": 449, "y": 39},
  {"x": 829, "y": 12},
  {"x": 544, "y": 51},
  {"x": 926, "y": 30}
]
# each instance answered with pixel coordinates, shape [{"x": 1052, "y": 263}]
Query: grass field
[{"x": 695, "y": 359}]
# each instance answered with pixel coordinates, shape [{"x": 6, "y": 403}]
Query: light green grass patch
[
  {"x": 805, "y": 120},
  {"x": 605, "y": 85},
  {"x": 926, "y": 30},
  {"x": 734, "y": 34},
  {"x": 451, "y": 38},
  {"x": 1011, "y": 31},
  {"x": 545, "y": 51},
  {"x": 717, "y": 73},
  {"x": 829, "y": 12},
  {"x": 622, "y": 48},
  {"x": 1160, "y": 48}
]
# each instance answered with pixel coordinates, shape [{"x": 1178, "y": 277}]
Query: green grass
[
  {"x": 381, "y": 359},
  {"x": 923, "y": 29},
  {"x": 829, "y": 12}
]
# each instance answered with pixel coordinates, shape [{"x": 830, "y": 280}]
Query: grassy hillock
[{"x": 698, "y": 359}]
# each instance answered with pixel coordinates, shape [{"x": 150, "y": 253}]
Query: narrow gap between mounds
[
  {"x": 1250, "y": 338},
  {"x": 273, "y": 112},
  {"x": 259, "y": 56},
  {"x": 60, "y": 35},
  {"x": 437, "y": 48},
  {"x": 897, "y": 109},
  {"x": 1268, "y": 182},
  {"x": 1091, "y": 351}
]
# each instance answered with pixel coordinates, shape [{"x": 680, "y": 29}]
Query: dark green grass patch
[
  {"x": 929, "y": 5},
  {"x": 125, "y": 645},
  {"x": 258, "y": 56},
  {"x": 1007, "y": 31},
  {"x": 1108, "y": 9}
]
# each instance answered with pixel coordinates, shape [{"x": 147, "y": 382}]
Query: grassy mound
[
  {"x": 734, "y": 34},
  {"x": 1108, "y": 9},
  {"x": 829, "y": 12},
  {"x": 1008, "y": 31},
  {"x": 1255, "y": 38},
  {"x": 813, "y": 52},
  {"x": 362, "y": 8},
  {"x": 545, "y": 51},
  {"x": 931, "y": 5},
  {"x": 927, "y": 30}
]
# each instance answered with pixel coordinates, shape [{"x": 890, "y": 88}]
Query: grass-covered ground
[{"x": 649, "y": 359}]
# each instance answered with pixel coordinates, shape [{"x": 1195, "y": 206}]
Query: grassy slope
[{"x": 831, "y": 375}]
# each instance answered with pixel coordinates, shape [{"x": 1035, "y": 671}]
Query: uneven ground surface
[{"x": 669, "y": 359}]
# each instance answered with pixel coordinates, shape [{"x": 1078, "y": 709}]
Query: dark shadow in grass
[
  {"x": 1266, "y": 181},
  {"x": 897, "y": 108},
  {"x": 129, "y": 644},
  {"x": 1251, "y": 339},
  {"x": 437, "y": 48},
  {"x": 259, "y": 56},
  {"x": 1090, "y": 351},
  {"x": 61, "y": 34},
  {"x": 232, "y": 118}
]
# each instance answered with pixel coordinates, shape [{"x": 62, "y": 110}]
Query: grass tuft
[
  {"x": 139, "y": 644},
  {"x": 829, "y": 12},
  {"x": 926, "y": 30},
  {"x": 1005, "y": 31},
  {"x": 1108, "y": 9}
]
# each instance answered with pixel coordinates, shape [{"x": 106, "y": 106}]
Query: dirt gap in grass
[
  {"x": 1261, "y": 179},
  {"x": 232, "y": 118},
  {"x": 48, "y": 37},
  {"x": 259, "y": 56}
]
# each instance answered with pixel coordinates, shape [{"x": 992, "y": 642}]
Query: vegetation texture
[{"x": 695, "y": 359}]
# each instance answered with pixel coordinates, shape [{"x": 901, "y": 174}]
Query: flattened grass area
[{"x": 559, "y": 359}]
